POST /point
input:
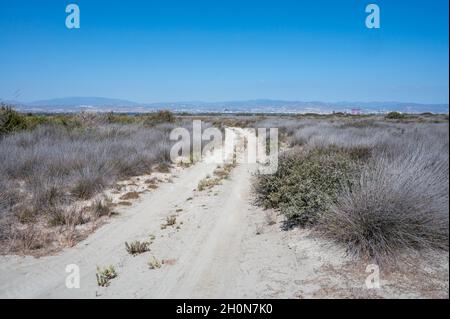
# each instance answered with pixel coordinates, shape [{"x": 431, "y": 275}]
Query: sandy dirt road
[{"x": 222, "y": 246}]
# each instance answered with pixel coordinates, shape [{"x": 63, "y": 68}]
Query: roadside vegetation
[
  {"x": 54, "y": 168},
  {"x": 220, "y": 173},
  {"x": 378, "y": 187}
]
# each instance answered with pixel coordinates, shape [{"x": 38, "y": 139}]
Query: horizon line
[{"x": 2, "y": 100}]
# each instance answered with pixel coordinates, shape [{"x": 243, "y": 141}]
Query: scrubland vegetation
[
  {"x": 377, "y": 186},
  {"x": 46, "y": 169}
]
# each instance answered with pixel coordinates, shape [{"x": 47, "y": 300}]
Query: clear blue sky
[{"x": 215, "y": 50}]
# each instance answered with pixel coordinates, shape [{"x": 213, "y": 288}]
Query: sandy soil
[{"x": 222, "y": 246}]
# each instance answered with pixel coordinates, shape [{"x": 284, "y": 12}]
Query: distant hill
[{"x": 83, "y": 101}]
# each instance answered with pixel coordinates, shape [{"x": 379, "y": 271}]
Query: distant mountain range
[{"x": 100, "y": 104}]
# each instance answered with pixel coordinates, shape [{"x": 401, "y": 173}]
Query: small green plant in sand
[
  {"x": 105, "y": 275},
  {"x": 154, "y": 263}
]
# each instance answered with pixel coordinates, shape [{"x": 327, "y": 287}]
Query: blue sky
[{"x": 150, "y": 51}]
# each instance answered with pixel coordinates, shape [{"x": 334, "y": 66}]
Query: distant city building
[{"x": 356, "y": 111}]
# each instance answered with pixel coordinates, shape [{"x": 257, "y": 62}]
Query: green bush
[
  {"x": 10, "y": 120},
  {"x": 112, "y": 117},
  {"x": 395, "y": 116},
  {"x": 162, "y": 116},
  {"x": 306, "y": 183}
]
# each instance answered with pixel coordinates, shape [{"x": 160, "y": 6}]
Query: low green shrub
[
  {"x": 11, "y": 120},
  {"x": 105, "y": 275},
  {"x": 306, "y": 183},
  {"x": 395, "y": 116},
  {"x": 162, "y": 116}
]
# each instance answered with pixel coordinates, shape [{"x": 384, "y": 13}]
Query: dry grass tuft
[
  {"x": 380, "y": 188},
  {"x": 137, "y": 247}
]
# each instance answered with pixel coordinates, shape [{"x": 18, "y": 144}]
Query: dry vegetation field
[
  {"x": 377, "y": 186},
  {"x": 54, "y": 167}
]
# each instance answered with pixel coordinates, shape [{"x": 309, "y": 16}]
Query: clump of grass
[
  {"x": 105, "y": 275},
  {"x": 380, "y": 189},
  {"x": 137, "y": 247},
  {"x": 161, "y": 116},
  {"x": 86, "y": 187},
  {"x": 101, "y": 208},
  {"x": 57, "y": 217},
  {"x": 154, "y": 263},
  {"x": 171, "y": 220},
  {"x": 65, "y": 217}
]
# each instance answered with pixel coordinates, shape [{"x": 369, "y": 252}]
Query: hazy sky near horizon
[{"x": 149, "y": 51}]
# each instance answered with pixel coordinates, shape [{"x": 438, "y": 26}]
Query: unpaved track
[
  {"x": 203, "y": 253},
  {"x": 223, "y": 247}
]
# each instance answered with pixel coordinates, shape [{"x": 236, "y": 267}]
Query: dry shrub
[
  {"x": 69, "y": 217},
  {"x": 394, "y": 206},
  {"x": 101, "y": 208},
  {"x": 28, "y": 238}
]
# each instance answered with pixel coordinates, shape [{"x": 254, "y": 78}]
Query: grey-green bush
[{"x": 306, "y": 183}]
